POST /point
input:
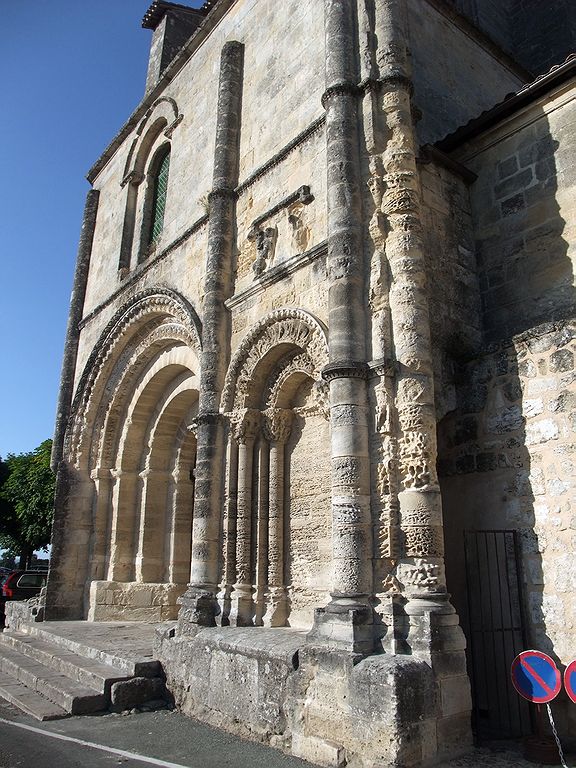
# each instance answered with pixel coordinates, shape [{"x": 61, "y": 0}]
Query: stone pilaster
[
  {"x": 199, "y": 604},
  {"x": 347, "y": 618},
  {"x": 277, "y": 428},
  {"x": 245, "y": 425}
]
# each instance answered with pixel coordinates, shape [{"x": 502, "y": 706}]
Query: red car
[{"x": 20, "y": 585}]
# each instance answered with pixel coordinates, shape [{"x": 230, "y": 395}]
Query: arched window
[
  {"x": 155, "y": 201},
  {"x": 160, "y": 185}
]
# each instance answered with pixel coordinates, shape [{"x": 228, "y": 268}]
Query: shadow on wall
[{"x": 504, "y": 453}]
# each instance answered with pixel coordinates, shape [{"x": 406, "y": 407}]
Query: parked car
[{"x": 20, "y": 585}]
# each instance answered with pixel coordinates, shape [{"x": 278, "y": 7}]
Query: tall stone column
[
  {"x": 199, "y": 604},
  {"x": 346, "y": 371},
  {"x": 406, "y": 408},
  {"x": 421, "y": 569},
  {"x": 72, "y": 331},
  {"x": 277, "y": 428},
  {"x": 245, "y": 425}
]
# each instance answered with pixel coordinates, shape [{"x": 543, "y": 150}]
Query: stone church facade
[{"x": 317, "y": 409}]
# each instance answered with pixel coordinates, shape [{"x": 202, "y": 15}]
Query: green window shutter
[{"x": 159, "y": 198}]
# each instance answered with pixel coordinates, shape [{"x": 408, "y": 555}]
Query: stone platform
[{"x": 316, "y": 702}]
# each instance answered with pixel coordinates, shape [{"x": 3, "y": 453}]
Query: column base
[
  {"x": 199, "y": 608},
  {"x": 344, "y": 624},
  {"x": 242, "y": 607}
]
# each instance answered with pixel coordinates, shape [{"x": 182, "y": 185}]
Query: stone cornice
[
  {"x": 345, "y": 369},
  {"x": 278, "y": 272},
  {"x": 302, "y": 194},
  {"x": 282, "y": 154}
]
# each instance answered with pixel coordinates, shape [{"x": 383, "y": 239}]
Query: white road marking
[{"x": 101, "y": 747}]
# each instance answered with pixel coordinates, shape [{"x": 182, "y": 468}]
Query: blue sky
[{"x": 72, "y": 73}]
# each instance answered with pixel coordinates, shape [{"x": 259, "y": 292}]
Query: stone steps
[
  {"x": 29, "y": 701},
  {"x": 86, "y": 671},
  {"x": 72, "y": 697},
  {"x": 49, "y": 675},
  {"x": 126, "y": 664}
]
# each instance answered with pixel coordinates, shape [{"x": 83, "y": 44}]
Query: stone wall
[
  {"x": 523, "y": 209},
  {"x": 506, "y": 462},
  {"x": 506, "y": 451},
  {"x": 455, "y": 77}
]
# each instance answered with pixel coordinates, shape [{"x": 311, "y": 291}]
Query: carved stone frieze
[
  {"x": 265, "y": 246},
  {"x": 421, "y": 574},
  {"x": 292, "y": 327},
  {"x": 417, "y": 460}
]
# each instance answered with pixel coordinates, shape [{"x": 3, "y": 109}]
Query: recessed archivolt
[
  {"x": 136, "y": 335},
  {"x": 162, "y": 117},
  {"x": 281, "y": 333}
]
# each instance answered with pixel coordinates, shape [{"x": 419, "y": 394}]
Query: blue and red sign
[
  {"x": 570, "y": 680},
  {"x": 536, "y": 677}
]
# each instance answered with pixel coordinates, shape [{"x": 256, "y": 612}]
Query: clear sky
[{"x": 72, "y": 73}]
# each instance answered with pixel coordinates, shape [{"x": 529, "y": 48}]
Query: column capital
[
  {"x": 277, "y": 424},
  {"x": 244, "y": 424}
]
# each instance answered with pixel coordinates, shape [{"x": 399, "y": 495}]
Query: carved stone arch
[
  {"x": 166, "y": 349},
  {"x": 152, "y": 320},
  {"x": 161, "y": 117},
  {"x": 291, "y": 332}
]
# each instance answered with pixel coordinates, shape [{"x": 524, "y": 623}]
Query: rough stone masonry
[{"x": 317, "y": 409}]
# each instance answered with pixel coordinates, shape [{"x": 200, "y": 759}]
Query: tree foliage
[{"x": 26, "y": 501}]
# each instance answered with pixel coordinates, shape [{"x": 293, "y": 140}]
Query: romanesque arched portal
[
  {"x": 130, "y": 454},
  {"x": 277, "y": 525}
]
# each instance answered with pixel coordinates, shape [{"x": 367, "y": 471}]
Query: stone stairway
[{"x": 56, "y": 669}]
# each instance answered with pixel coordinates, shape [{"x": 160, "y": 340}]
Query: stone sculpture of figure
[{"x": 265, "y": 244}]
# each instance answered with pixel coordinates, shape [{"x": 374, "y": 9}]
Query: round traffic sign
[
  {"x": 536, "y": 677},
  {"x": 570, "y": 680}
]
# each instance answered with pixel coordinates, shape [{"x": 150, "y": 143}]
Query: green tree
[{"x": 26, "y": 502}]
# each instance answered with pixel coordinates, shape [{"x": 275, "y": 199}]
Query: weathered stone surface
[{"x": 260, "y": 397}]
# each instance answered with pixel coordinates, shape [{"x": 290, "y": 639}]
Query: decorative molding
[
  {"x": 278, "y": 272},
  {"x": 154, "y": 307},
  {"x": 345, "y": 369},
  {"x": 340, "y": 89},
  {"x": 276, "y": 159},
  {"x": 293, "y": 327},
  {"x": 301, "y": 195}
]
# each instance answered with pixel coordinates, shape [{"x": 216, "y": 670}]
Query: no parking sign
[
  {"x": 536, "y": 677},
  {"x": 570, "y": 680}
]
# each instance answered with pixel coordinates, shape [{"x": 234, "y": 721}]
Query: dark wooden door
[{"x": 496, "y": 633}]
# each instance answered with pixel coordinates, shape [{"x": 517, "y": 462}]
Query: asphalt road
[{"x": 160, "y": 739}]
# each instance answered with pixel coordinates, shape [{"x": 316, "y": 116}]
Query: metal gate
[{"x": 496, "y": 633}]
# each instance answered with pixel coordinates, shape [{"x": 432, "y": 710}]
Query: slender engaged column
[
  {"x": 200, "y": 604},
  {"x": 122, "y": 533},
  {"x": 277, "y": 428},
  {"x": 72, "y": 331},
  {"x": 229, "y": 532},
  {"x": 245, "y": 426}
]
